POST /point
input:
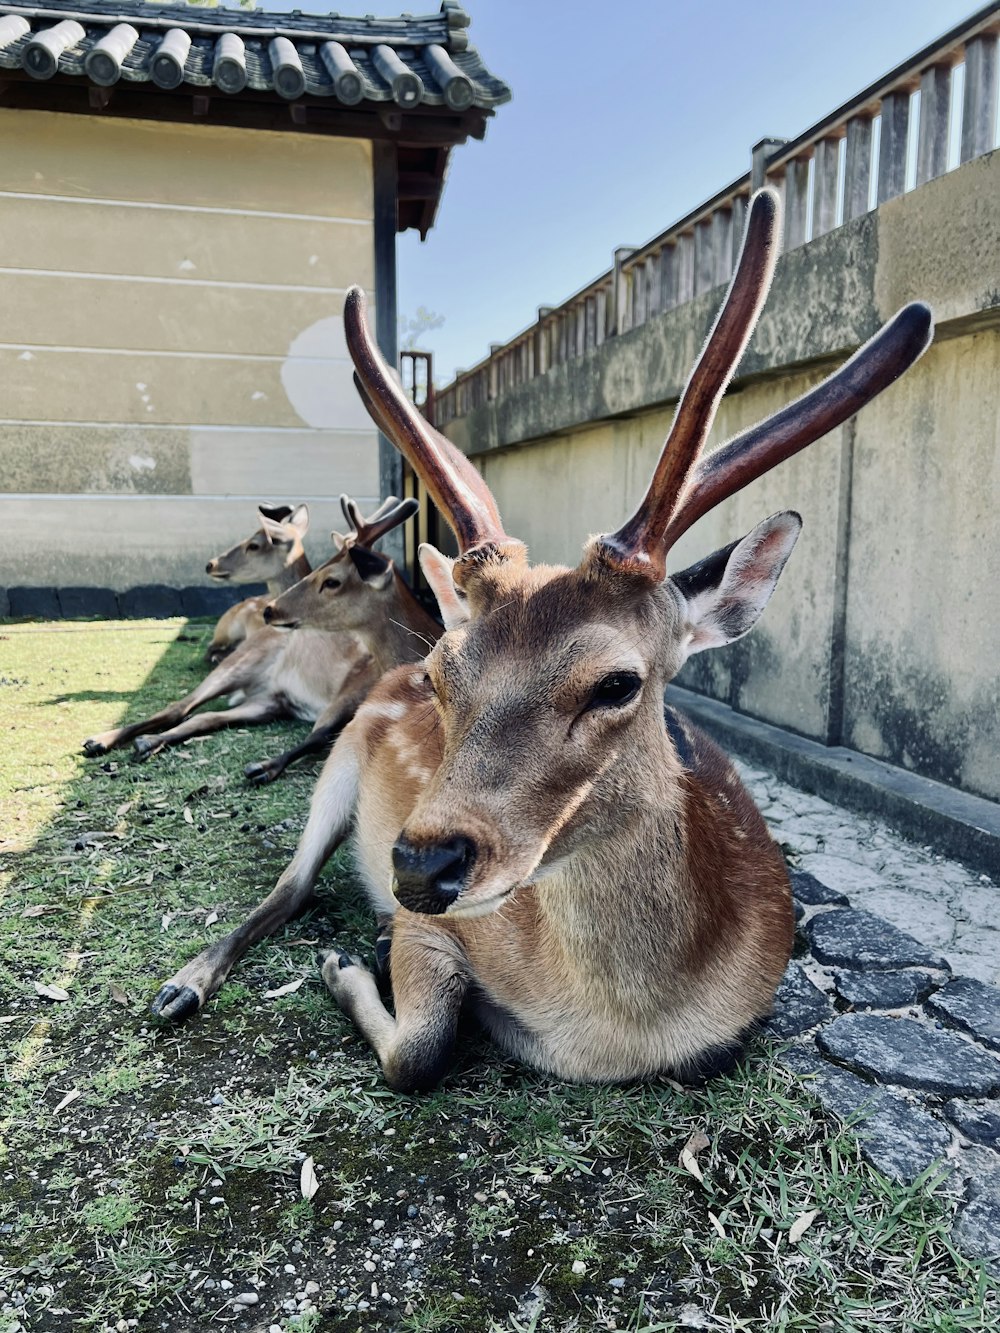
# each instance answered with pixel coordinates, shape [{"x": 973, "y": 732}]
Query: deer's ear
[
  {"x": 277, "y": 513},
  {"x": 374, "y": 568},
  {"x": 299, "y": 519},
  {"x": 274, "y": 532},
  {"x": 339, "y": 541},
  {"x": 725, "y": 593},
  {"x": 437, "y": 570}
]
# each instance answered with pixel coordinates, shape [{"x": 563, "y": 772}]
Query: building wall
[
  {"x": 172, "y": 348},
  {"x": 884, "y": 632}
]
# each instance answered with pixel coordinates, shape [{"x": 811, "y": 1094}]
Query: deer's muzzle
[{"x": 429, "y": 879}]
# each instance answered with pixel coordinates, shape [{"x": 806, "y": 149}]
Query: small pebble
[
  {"x": 246, "y": 1298},
  {"x": 579, "y": 1266},
  {"x": 617, "y": 1283}
]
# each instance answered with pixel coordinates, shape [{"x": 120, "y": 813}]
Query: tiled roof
[{"x": 423, "y": 61}]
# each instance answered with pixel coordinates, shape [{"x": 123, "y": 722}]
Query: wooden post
[
  {"x": 932, "y": 132},
  {"x": 892, "y": 145},
  {"x": 796, "y": 201},
  {"x": 722, "y": 243},
  {"x": 857, "y": 167},
  {"x": 620, "y": 289},
  {"x": 704, "y": 264},
  {"x": 668, "y": 277},
  {"x": 390, "y": 463},
  {"x": 826, "y": 165},
  {"x": 739, "y": 223},
  {"x": 979, "y": 103},
  {"x": 761, "y": 152},
  {"x": 684, "y": 253},
  {"x": 653, "y": 306}
]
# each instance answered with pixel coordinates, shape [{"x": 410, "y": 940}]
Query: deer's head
[
  {"x": 275, "y": 545},
  {"x": 345, "y": 592},
  {"x": 550, "y": 695}
]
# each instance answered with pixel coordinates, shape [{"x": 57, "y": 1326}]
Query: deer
[
  {"x": 544, "y": 842},
  {"x": 272, "y": 554},
  {"x": 318, "y": 675}
]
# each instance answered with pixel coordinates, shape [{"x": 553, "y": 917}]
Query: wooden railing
[{"x": 935, "y": 111}]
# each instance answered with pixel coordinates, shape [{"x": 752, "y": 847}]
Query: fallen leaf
[
  {"x": 283, "y": 990},
  {"x": 307, "y": 1179},
  {"x": 40, "y": 909},
  {"x": 165, "y": 920},
  {"x": 689, "y": 1154},
  {"x": 51, "y": 992},
  {"x": 117, "y": 994},
  {"x": 301, "y": 940},
  {"x": 717, "y": 1225},
  {"x": 211, "y": 919},
  {"x": 188, "y": 816},
  {"x": 124, "y": 808},
  {"x": 801, "y": 1225},
  {"x": 9, "y": 1018},
  {"x": 70, "y": 1097}
]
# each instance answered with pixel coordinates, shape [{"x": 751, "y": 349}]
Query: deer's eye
[
  {"x": 332, "y": 584},
  {"x": 615, "y": 690},
  {"x": 253, "y": 546}
]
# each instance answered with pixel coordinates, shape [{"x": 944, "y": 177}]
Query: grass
[{"x": 142, "y": 1166}]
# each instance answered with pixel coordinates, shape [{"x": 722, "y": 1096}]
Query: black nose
[
  {"x": 429, "y": 879},
  {"x": 268, "y": 614},
  {"x": 210, "y": 566}
]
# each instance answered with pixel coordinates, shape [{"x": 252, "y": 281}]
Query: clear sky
[{"x": 624, "y": 117}]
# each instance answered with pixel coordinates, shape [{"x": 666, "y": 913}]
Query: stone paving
[{"x": 890, "y": 1006}]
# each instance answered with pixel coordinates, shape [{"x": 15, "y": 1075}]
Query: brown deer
[
  {"x": 272, "y": 554},
  {"x": 317, "y": 675},
  {"x": 543, "y": 840}
]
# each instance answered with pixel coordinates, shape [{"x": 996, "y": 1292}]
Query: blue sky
[{"x": 624, "y": 117}]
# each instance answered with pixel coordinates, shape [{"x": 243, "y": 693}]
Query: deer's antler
[
  {"x": 453, "y": 483},
  {"x": 682, "y": 489},
  {"x": 390, "y": 513}
]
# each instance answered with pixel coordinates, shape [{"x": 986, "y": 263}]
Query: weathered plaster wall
[
  {"x": 172, "y": 302},
  {"x": 884, "y": 633}
]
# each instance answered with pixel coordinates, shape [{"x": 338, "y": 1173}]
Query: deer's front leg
[{"x": 429, "y": 984}]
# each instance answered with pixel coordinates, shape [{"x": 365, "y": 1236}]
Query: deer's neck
[
  {"x": 290, "y": 575},
  {"x": 404, "y": 633}
]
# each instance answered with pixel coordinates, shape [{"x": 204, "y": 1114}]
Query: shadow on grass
[{"x": 145, "y": 1166}]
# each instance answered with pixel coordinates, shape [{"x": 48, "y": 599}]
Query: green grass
[{"x": 176, "y": 1165}]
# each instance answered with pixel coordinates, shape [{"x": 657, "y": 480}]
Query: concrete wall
[
  {"x": 884, "y": 633},
  {"x": 172, "y": 341}
]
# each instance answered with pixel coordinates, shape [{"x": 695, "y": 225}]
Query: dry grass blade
[
  {"x": 51, "y": 992},
  {"x": 67, "y": 1100},
  {"x": 801, "y": 1225},
  {"x": 283, "y": 990},
  {"x": 307, "y": 1179}
]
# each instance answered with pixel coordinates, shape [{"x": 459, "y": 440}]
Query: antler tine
[
  {"x": 384, "y": 520},
  {"x": 872, "y": 368},
  {"x": 453, "y": 483},
  {"x": 351, "y": 512},
  {"x": 638, "y": 545}
]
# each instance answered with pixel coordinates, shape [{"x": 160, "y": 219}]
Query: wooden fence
[{"x": 931, "y": 113}]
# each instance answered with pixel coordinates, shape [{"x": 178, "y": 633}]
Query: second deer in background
[{"x": 318, "y": 675}]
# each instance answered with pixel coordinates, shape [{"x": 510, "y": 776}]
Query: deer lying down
[
  {"x": 273, "y": 555},
  {"x": 316, "y": 675},
  {"x": 550, "y": 847}
]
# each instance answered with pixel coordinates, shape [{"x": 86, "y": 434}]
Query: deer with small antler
[
  {"x": 316, "y": 674},
  {"x": 540, "y": 839},
  {"x": 272, "y": 554}
]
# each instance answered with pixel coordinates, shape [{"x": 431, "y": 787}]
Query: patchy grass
[{"x": 143, "y": 1168}]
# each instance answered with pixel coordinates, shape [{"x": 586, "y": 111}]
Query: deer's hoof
[
  {"x": 260, "y": 774},
  {"x": 383, "y": 949},
  {"x": 145, "y": 746},
  {"x": 176, "y": 1002},
  {"x": 93, "y": 747}
]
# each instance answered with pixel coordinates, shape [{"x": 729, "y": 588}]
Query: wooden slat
[
  {"x": 722, "y": 244},
  {"x": 979, "y": 106},
  {"x": 826, "y": 165},
  {"x": 935, "y": 111},
  {"x": 857, "y": 167},
  {"x": 796, "y": 202},
  {"x": 684, "y": 252},
  {"x": 704, "y": 260},
  {"x": 892, "y": 145}
]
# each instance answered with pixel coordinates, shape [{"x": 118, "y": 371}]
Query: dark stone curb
[
  {"x": 154, "y": 601},
  {"x": 952, "y": 822},
  {"x": 918, "y": 1088}
]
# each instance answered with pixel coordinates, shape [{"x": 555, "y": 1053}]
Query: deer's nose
[
  {"x": 429, "y": 879},
  {"x": 210, "y": 566},
  {"x": 268, "y": 614}
]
